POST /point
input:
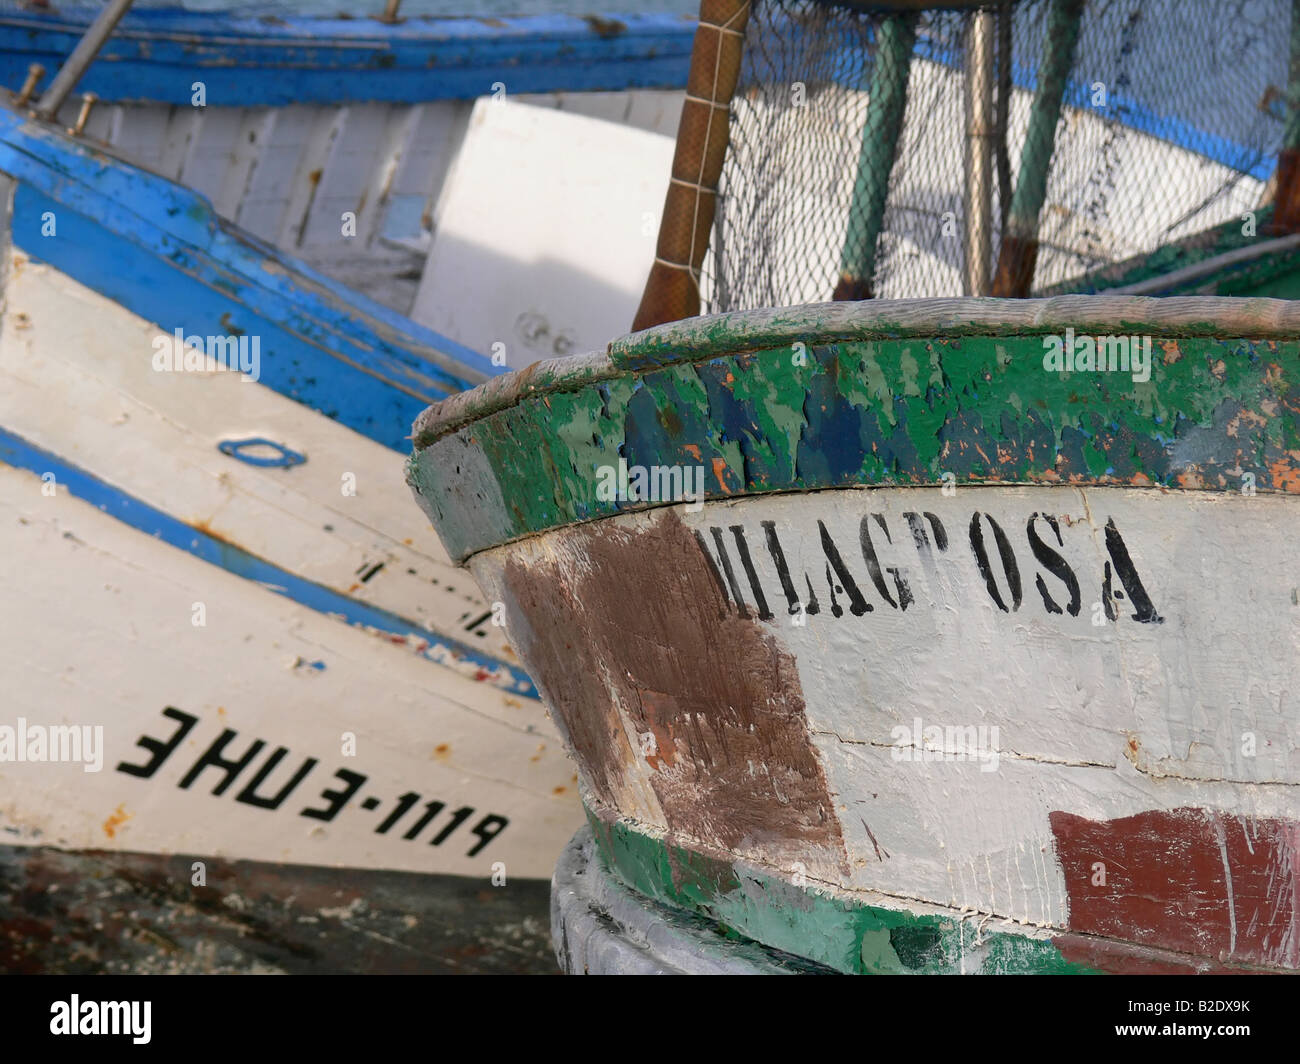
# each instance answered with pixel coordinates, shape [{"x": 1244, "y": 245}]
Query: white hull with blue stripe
[{"x": 225, "y": 648}]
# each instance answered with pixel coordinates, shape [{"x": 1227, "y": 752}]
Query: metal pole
[
  {"x": 82, "y": 56},
  {"x": 885, "y": 106},
  {"x": 1019, "y": 252},
  {"x": 980, "y": 129}
]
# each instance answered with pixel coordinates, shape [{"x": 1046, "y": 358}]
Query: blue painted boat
[
  {"x": 285, "y": 121},
  {"x": 267, "y": 61}
]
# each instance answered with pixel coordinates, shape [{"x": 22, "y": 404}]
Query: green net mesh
[{"x": 1170, "y": 121}]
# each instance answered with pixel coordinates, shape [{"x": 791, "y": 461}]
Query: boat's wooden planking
[
  {"x": 241, "y": 633},
  {"x": 245, "y": 60},
  {"x": 351, "y": 189},
  {"x": 876, "y": 533},
  {"x": 101, "y": 631},
  {"x": 951, "y": 694},
  {"x": 342, "y": 519}
]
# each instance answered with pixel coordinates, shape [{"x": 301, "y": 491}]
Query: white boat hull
[
  {"x": 114, "y": 628},
  {"x": 965, "y": 742}
]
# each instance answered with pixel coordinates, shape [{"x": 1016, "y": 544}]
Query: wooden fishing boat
[
  {"x": 953, "y": 663},
  {"x": 285, "y": 120},
  {"x": 914, "y": 635},
  {"x": 228, "y": 635},
  {"x": 199, "y": 424}
]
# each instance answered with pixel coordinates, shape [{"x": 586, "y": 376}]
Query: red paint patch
[{"x": 1190, "y": 880}]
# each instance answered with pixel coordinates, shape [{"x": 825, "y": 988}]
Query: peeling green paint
[
  {"x": 876, "y": 412},
  {"x": 844, "y": 935}
]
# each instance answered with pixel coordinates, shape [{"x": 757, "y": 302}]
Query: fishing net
[{"x": 884, "y": 153}]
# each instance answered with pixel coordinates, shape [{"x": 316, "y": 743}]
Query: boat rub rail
[{"x": 739, "y": 332}]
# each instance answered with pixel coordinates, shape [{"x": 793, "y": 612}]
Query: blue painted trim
[
  {"x": 156, "y": 55},
  {"x": 17, "y": 452},
  {"x": 160, "y": 250},
  {"x": 284, "y": 459},
  {"x": 847, "y": 67}
]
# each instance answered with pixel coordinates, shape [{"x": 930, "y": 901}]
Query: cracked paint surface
[
  {"x": 1103, "y": 593},
  {"x": 1101, "y": 697},
  {"x": 1216, "y": 413}
]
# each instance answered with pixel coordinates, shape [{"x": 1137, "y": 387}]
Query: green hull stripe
[
  {"x": 846, "y": 937},
  {"x": 906, "y": 412}
]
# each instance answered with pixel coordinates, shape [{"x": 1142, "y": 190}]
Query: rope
[{"x": 692, "y": 270}]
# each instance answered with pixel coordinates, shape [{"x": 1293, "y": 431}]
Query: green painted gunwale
[
  {"x": 1222, "y": 261},
  {"x": 861, "y": 933},
  {"x": 888, "y": 393},
  {"x": 847, "y": 936}
]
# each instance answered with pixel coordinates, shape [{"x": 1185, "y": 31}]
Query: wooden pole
[
  {"x": 981, "y": 128},
  {"x": 1003, "y": 113},
  {"x": 672, "y": 291},
  {"x": 885, "y": 106},
  {"x": 1019, "y": 252},
  {"x": 1286, "y": 200}
]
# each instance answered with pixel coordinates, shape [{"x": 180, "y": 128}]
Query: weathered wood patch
[{"x": 653, "y": 677}]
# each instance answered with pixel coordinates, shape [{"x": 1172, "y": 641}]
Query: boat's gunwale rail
[
  {"x": 329, "y": 348},
  {"x": 702, "y": 338}
]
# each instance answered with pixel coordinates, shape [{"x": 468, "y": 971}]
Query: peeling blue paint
[
  {"x": 162, "y": 252},
  {"x": 156, "y": 55}
]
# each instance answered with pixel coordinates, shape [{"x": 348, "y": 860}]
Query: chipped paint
[
  {"x": 1193, "y": 880},
  {"x": 899, "y": 411},
  {"x": 1089, "y": 574},
  {"x": 715, "y": 715},
  {"x": 267, "y": 62}
]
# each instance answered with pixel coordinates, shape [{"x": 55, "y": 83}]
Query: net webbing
[{"x": 1169, "y": 120}]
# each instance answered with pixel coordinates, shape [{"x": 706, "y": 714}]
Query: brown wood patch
[{"x": 637, "y": 620}]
